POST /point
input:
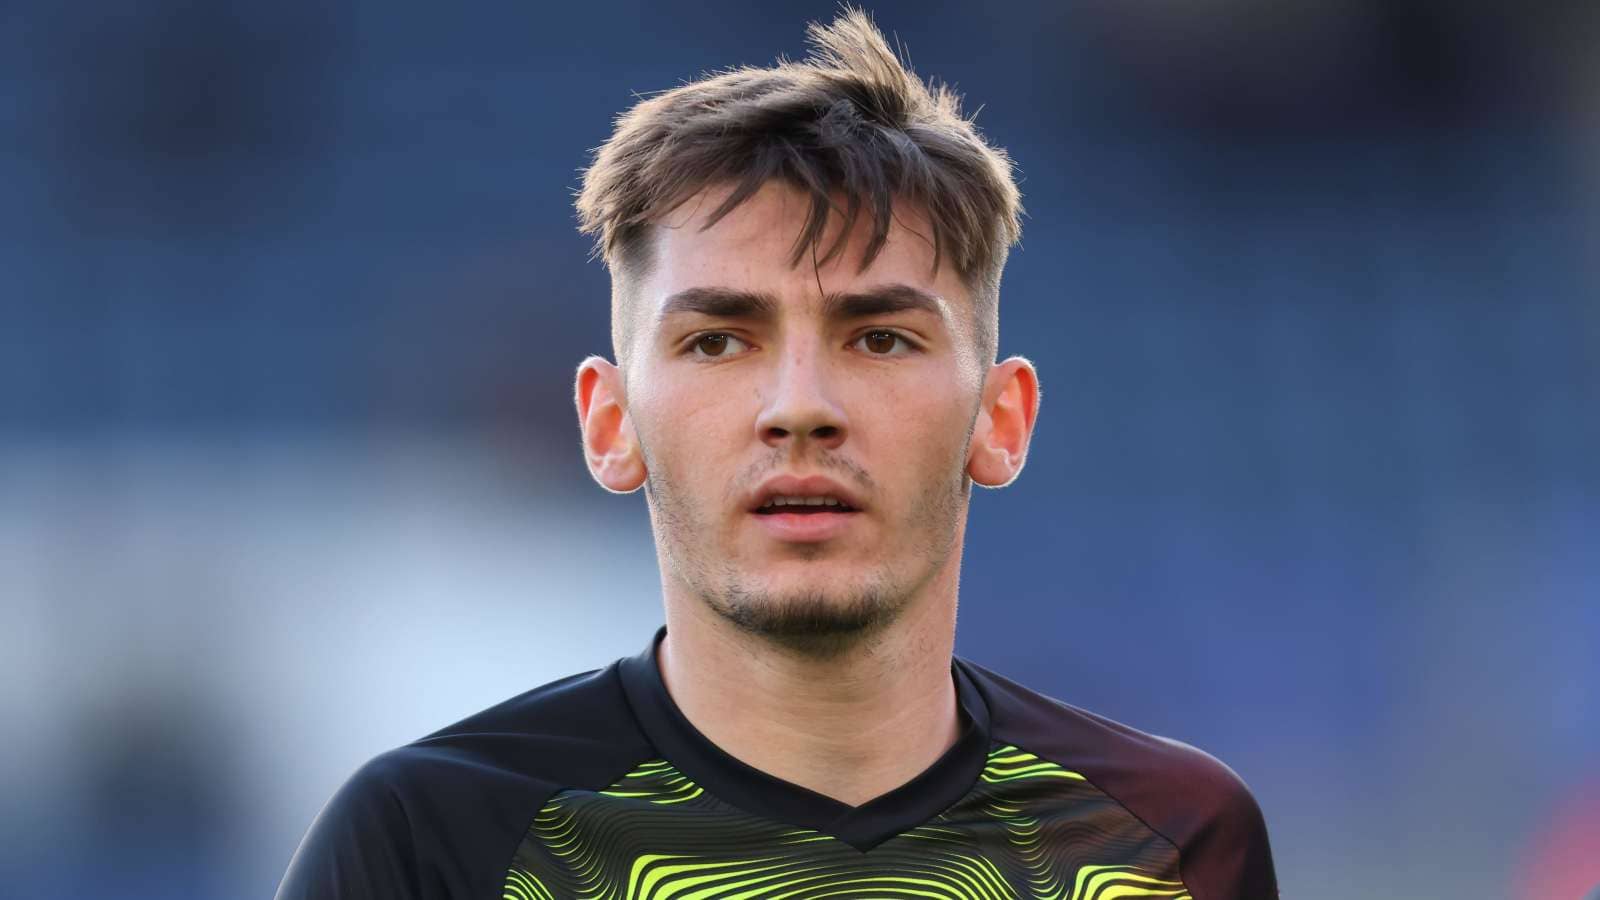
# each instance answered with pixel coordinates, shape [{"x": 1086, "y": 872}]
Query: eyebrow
[
  {"x": 727, "y": 303},
  {"x": 720, "y": 303}
]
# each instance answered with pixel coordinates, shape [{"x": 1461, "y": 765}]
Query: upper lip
[{"x": 809, "y": 486}]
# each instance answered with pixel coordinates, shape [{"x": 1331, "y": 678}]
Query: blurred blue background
[{"x": 291, "y": 298}]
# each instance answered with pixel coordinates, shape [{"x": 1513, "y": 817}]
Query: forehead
[{"x": 752, "y": 248}]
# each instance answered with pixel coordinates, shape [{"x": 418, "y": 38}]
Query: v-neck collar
[{"x": 936, "y": 789}]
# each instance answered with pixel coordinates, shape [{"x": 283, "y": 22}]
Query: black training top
[{"x": 596, "y": 786}]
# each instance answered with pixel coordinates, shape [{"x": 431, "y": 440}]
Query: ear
[
  {"x": 610, "y": 446},
  {"x": 1005, "y": 423}
]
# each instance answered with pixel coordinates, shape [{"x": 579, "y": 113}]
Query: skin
[{"x": 826, "y": 665}]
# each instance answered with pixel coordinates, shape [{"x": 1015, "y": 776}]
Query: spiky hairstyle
[{"x": 849, "y": 121}]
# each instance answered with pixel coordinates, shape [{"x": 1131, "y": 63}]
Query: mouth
[
  {"x": 803, "y": 506},
  {"x": 805, "y": 519}
]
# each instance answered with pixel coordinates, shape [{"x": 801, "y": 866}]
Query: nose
[{"x": 799, "y": 406}]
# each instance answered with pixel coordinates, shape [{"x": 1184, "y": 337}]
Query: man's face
[{"x": 746, "y": 369}]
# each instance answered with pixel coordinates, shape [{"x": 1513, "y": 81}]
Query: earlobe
[
  {"x": 610, "y": 447},
  {"x": 1005, "y": 423}
]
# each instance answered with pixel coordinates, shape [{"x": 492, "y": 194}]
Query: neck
[{"x": 851, "y": 726}]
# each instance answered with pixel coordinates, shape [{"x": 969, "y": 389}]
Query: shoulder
[
  {"x": 408, "y": 816},
  {"x": 572, "y": 730},
  {"x": 1182, "y": 793},
  {"x": 1105, "y": 750},
  {"x": 576, "y": 731}
]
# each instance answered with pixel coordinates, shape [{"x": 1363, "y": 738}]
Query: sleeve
[
  {"x": 359, "y": 846},
  {"x": 1225, "y": 854}
]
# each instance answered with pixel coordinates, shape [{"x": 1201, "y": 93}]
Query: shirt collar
[{"x": 932, "y": 791}]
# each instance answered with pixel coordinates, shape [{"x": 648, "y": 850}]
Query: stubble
[{"x": 819, "y": 624}]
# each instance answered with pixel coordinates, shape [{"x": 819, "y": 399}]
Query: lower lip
[{"x": 807, "y": 527}]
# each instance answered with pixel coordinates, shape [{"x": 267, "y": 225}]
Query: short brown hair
[{"x": 850, "y": 120}]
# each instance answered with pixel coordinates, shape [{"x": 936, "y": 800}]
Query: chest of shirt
[{"x": 1027, "y": 828}]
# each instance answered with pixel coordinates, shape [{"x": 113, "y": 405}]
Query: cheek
[
  {"x": 709, "y": 418},
  {"x": 913, "y": 436},
  {"x": 693, "y": 428},
  {"x": 917, "y": 414}
]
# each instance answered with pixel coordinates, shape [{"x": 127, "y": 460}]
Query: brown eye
[
  {"x": 880, "y": 343},
  {"x": 711, "y": 346}
]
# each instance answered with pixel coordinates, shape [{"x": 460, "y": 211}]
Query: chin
[{"x": 816, "y": 622}]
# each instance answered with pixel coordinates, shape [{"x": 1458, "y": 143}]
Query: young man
[{"x": 806, "y": 263}]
